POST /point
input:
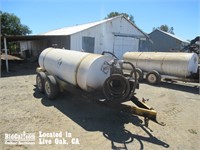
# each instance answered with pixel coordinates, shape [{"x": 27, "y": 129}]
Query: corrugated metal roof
[
  {"x": 172, "y": 35},
  {"x": 78, "y": 28},
  {"x": 65, "y": 31},
  {"x": 75, "y": 29}
]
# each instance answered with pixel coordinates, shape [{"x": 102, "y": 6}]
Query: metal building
[
  {"x": 166, "y": 42},
  {"x": 117, "y": 35}
]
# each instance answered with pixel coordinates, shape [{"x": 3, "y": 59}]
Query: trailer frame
[{"x": 140, "y": 108}]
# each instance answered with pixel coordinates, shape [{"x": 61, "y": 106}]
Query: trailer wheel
[
  {"x": 153, "y": 77},
  {"x": 139, "y": 74},
  {"x": 40, "y": 80},
  {"x": 51, "y": 87}
]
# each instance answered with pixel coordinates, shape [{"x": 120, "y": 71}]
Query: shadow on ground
[
  {"x": 19, "y": 68},
  {"x": 92, "y": 117},
  {"x": 180, "y": 86}
]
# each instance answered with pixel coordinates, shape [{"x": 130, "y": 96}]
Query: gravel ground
[{"x": 88, "y": 126}]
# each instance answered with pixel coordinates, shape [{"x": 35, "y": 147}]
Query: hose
[
  {"x": 135, "y": 77},
  {"x": 106, "y": 52},
  {"x": 116, "y": 88}
]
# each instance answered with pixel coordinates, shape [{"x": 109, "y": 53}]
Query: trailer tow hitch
[
  {"x": 147, "y": 112},
  {"x": 140, "y": 109}
]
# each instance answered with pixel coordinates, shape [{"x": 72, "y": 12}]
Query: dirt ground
[{"x": 88, "y": 126}]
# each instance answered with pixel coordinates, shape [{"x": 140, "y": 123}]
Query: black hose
[
  {"x": 131, "y": 75},
  {"x": 106, "y": 52},
  {"x": 116, "y": 88}
]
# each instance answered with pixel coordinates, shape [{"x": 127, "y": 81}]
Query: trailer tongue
[{"x": 97, "y": 78}]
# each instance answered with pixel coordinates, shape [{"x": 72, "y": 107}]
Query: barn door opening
[
  {"x": 124, "y": 44},
  {"x": 88, "y": 44}
]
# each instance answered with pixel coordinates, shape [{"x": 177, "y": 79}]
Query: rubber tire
[
  {"x": 51, "y": 87},
  {"x": 42, "y": 76},
  {"x": 156, "y": 75}
]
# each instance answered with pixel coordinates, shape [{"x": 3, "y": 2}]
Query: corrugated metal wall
[
  {"x": 117, "y": 35},
  {"x": 164, "y": 43},
  {"x": 105, "y": 39}
]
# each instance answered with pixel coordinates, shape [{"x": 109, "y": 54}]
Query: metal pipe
[
  {"x": 6, "y": 54},
  {"x": 0, "y": 59}
]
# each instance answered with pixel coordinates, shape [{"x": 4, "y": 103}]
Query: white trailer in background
[{"x": 153, "y": 66}]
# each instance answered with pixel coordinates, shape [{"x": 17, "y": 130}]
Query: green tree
[
  {"x": 165, "y": 28},
  {"x": 114, "y": 14},
  {"x": 11, "y": 25}
]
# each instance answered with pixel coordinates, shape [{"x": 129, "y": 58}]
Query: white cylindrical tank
[
  {"x": 78, "y": 68},
  {"x": 174, "y": 64}
]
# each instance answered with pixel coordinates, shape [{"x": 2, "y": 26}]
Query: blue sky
[{"x": 44, "y": 15}]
